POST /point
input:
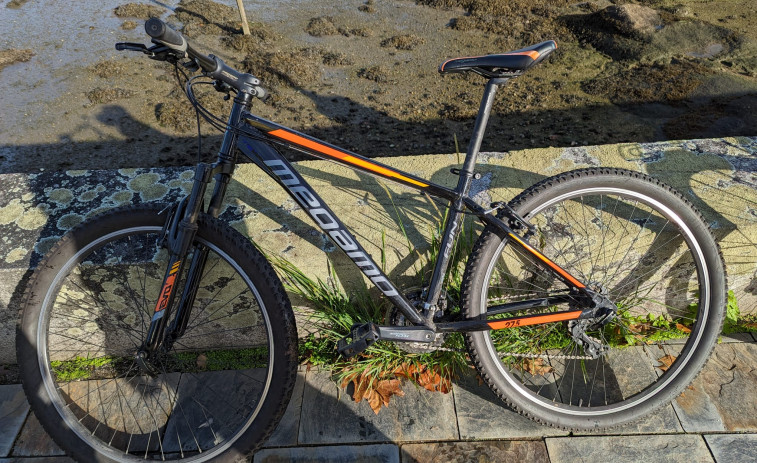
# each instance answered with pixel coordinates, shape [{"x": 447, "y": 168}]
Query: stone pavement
[{"x": 715, "y": 420}]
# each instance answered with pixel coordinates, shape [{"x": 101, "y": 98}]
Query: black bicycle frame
[
  {"x": 258, "y": 148},
  {"x": 255, "y": 138}
]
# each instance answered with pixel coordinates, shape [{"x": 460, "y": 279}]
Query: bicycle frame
[{"x": 255, "y": 138}]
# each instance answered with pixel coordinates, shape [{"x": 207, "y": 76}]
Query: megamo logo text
[{"x": 328, "y": 223}]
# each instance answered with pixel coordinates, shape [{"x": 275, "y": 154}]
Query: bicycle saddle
[{"x": 500, "y": 65}]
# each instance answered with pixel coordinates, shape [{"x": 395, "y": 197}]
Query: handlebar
[{"x": 211, "y": 65}]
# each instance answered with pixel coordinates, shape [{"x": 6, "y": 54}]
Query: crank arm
[{"x": 363, "y": 336}]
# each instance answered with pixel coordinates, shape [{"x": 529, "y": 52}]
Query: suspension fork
[
  {"x": 179, "y": 234},
  {"x": 199, "y": 257}
]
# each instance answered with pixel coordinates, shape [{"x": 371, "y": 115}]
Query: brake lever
[
  {"x": 131, "y": 46},
  {"x": 156, "y": 52},
  {"x": 160, "y": 53}
]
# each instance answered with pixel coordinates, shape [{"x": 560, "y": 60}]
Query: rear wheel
[
  {"x": 636, "y": 242},
  {"x": 219, "y": 390}
]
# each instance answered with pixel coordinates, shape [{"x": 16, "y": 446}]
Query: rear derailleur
[
  {"x": 603, "y": 313},
  {"x": 592, "y": 346}
]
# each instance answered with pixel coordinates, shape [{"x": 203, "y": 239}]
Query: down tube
[{"x": 275, "y": 165}]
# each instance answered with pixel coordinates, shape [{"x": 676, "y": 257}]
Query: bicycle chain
[
  {"x": 535, "y": 356},
  {"x": 514, "y": 354}
]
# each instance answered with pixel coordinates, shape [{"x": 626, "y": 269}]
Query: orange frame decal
[
  {"x": 165, "y": 292},
  {"x": 534, "y": 320},
  {"x": 551, "y": 264},
  {"x": 333, "y": 153}
]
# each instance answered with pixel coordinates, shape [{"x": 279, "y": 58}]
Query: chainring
[{"x": 394, "y": 317}]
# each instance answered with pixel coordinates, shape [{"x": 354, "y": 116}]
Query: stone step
[{"x": 717, "y": 175}]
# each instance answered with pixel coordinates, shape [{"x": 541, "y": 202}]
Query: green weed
[
  {"x": 218, "y": 360},
  {"x": 78, "y": 368}
]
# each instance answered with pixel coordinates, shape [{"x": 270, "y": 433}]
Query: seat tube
[{"x": 455, "y": 216}]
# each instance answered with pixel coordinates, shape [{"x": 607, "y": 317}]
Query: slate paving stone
[
  {"x": 724, "y": 396},
  {"x": 382, "y": 453},
  {"x": 37, "y": 460},
  {"x": 479, "y": 452},
  {"x": 210, "y": 406},
  {"x": 124, "y": 411},
  {"x": 736, "y": 337},
  {"x": 733, "y": 448},
  {"x": 329, "y": 415},
  {"x": 622, "y": 373},
  {"x": 12, "y": 281},
  {"x": 642, "y": 367},
  {"x": 33, "y": 441},
  {"x": 696, "y": 411},
  {"x": 13, "y": 411},
  {"x": 286, "y": 432},
  {"x": 630, "y": 449},
  {"x": 692, "y": 407},
  {"x": 482, "y": 415}
]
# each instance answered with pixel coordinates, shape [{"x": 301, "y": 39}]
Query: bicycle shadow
[
  {"x": 419, "y": 208},
  {"x": 719, "y": 188}
]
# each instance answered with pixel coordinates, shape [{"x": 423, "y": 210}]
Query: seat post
[{"x": 479, "y": 128}]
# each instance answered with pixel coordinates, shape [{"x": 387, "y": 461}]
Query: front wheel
[
  {"x": 636, "y": 242},
  {"x": 219, "y": 390}
]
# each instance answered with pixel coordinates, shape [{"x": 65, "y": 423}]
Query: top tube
[{"x": 280, "y": 134}]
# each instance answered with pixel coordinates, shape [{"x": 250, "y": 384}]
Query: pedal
[{"x": 362, "y": 337}]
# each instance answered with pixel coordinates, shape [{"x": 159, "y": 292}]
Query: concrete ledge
[{"x": 718, "y": 175}]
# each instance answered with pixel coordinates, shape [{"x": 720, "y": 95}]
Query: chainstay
[
  {"x": 533, "y": 356},
  {"x": 514, "y": 354}
]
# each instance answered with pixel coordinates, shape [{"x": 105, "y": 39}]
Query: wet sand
[{"x": 363, "y": 75}]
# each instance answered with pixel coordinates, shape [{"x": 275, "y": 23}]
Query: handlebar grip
[{"x": 160, "y": 31}]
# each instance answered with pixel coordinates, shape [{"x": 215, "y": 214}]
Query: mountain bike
[{"x": 591, "y": 299}]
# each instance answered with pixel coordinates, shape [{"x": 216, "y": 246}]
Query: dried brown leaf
[
  {"x": 445, "y": 385},
  {"x": 362, "y": 384},
  {"x": 387, "y": 388},
  {"x": 347, "y": 380},
  {"x": 374, "y": 400},
  {"x": 378, "y": 392},
  {"x": 666, "y": 362},
  {"x": 683, "y": 328},
  {"x": 536, "y": 367},
  {"x": 640, "y": 328}
]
